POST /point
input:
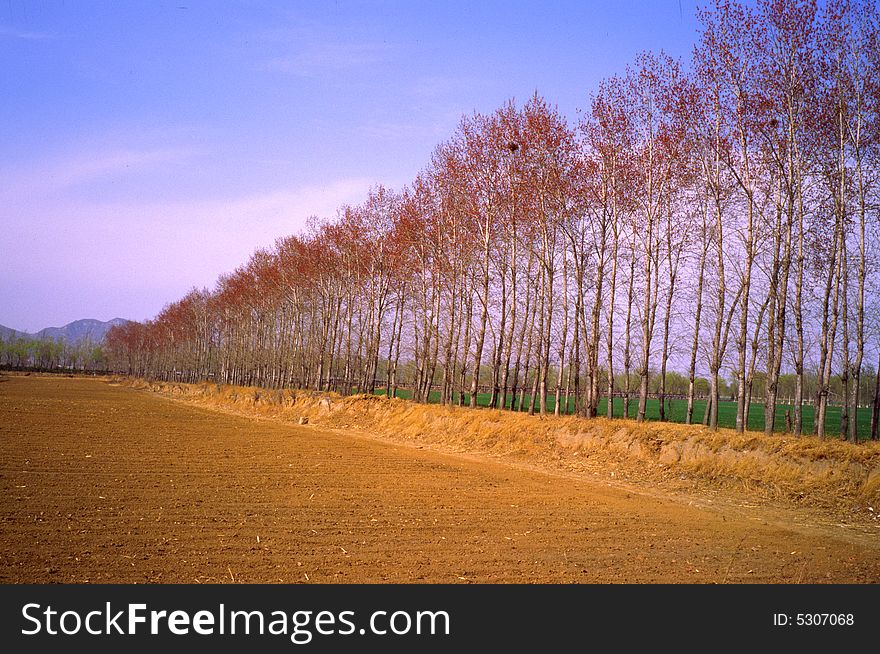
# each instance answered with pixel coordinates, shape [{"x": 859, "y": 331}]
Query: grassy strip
[{"x": 676, "y": 410}]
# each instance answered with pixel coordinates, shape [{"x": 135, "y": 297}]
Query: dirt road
[{"x": 100, "y": 483}]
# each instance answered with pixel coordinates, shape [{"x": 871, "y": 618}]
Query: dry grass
[{"x": 826, "y": 473}]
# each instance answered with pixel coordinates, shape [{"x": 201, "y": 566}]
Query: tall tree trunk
[
  {"x": 695, "y": 344},
  {"x": 513, "y": 300},
  {"x": 495, "y": 399},
  {"x": 718, "y": 345},
  {"x": 468, "y": 319},
  {"x": 742, "y": 340},
  {"x": 647, "y": 327},
  {"x": 875, "y": 408},
  {"x": 672, "y": 257},
  {"x": 799, "y": 330},
  {"x": 845, "y": 364},
  {"x": 860, "y": 303},
  {"x": 626, "y": 346},
  {"x": 520, "y": 342},
  {"x": 394, "y": 365},
  {"x": 484, "y": 316},
  {"x": 829, "y": 330},
  {"x": 563, "y": 338},
  {"x": 546, "y": 316},
  {"x": 609, "y": 408},
  {"x": 779, "y": 275},
  {"x": 750, "y": 374}
]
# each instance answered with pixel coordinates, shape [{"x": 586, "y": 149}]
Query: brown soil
[{"x": 103, "y": 483}]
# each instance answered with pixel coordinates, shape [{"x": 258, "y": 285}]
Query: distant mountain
[
  {"x": 74, "y": 332},
  {"x": 6, "y": 333}
]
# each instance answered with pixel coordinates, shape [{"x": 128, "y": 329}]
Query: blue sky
[{"x": 147, "y": 147}]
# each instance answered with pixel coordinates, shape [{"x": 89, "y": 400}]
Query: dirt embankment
[{"x": 828, "y": 475}]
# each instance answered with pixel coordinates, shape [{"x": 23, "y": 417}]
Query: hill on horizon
[{"x": 72, "y": 332}]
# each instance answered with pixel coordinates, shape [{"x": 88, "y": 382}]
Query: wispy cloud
[
  {"x": 305, "y": 47},
  {"x": 69, "y": 171},
  {"x": 436, "y": 87},
  {"x": 13, "y": 33},
  {"x": 113, "y": 163},
  {"x": 261, "y": 216},
  {"x": 317, "y": 58},
  {"x": 173, "y": 244}
]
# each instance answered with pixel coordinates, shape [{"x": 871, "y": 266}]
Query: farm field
[
  {"x": 108, "y": 484},
  {"x": 677, "y": 409}
]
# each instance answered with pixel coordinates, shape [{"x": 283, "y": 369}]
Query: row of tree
[
  {"x": 720, "y": 218},
  {"x": 50, "y": 355}
]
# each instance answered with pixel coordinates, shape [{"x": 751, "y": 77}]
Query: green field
[{"x": 676, "y": 409}]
